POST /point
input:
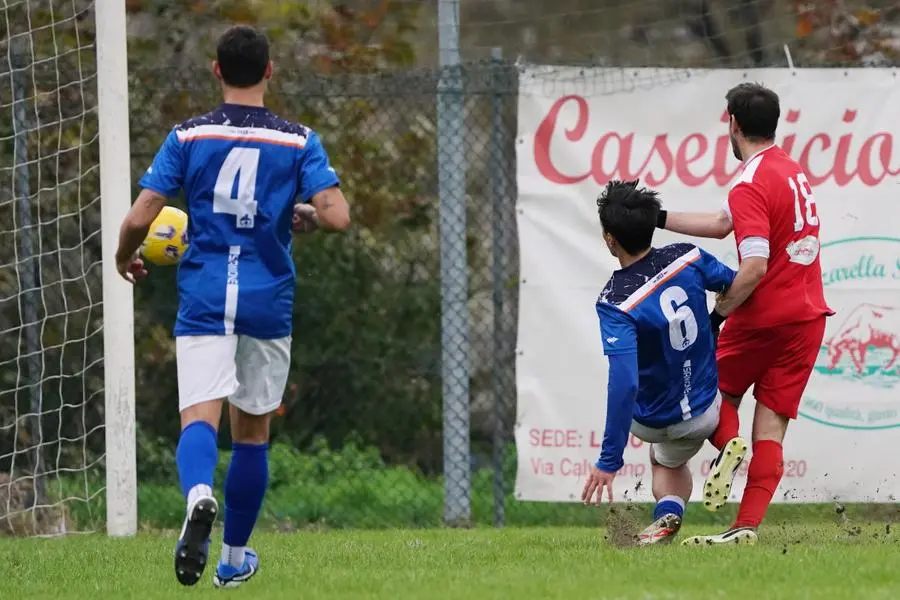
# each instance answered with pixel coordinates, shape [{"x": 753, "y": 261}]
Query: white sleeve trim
[{"x": 754, "y": 247}]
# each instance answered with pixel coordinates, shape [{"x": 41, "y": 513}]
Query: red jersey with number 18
[{"x": 772, "y": 199}]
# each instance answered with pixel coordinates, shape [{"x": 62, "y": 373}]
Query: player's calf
[
  {"x": 729, "y": 422},
  {"x": 245, "y": 489},
  {"x": 763, "y": 477},
  {"x": 672, "y": 485},
  {"x": 196, "y": 457}
]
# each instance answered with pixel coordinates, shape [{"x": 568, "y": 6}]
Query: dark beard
[{"x": 735, "y": 149}]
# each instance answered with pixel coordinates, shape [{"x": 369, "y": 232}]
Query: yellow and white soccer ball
[{"x": 167, "y": 240}]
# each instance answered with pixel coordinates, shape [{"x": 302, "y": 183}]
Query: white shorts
[
  {"x": 249, "y": 372},
  {"x": 676, "y": 444}
]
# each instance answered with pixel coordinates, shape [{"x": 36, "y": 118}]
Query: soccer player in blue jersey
[
  {"x": 242, "y": 170},
  {"x": 657, "y": 335}
]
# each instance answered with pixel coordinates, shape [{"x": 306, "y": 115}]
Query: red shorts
[{"x": 777, "y": 361}]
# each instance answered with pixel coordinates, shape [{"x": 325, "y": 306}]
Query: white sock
[
  {"x": 233, "y": 555},
  {"x": 201, "y": 490}
]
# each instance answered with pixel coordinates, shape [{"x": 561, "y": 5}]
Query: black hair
[
  {"x": 629, "y": 214},
  {"x": 243, "y": 55},
  {"x": 756, "y": 110}
]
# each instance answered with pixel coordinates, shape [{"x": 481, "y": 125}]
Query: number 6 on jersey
[
  {"x": 238, "y": 177},
  {"x": 682, "y": 322}
]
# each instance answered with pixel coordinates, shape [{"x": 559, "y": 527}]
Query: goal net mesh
[{"x": 51, "y": 342}]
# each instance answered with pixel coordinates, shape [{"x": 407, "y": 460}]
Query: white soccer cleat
[
  {"x": 661, "y": 531},
  {"x": 745, "y": 536},
  {"x": 718, "y": 483}
]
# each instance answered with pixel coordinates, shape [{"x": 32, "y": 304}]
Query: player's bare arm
[
  {"x": 328, "y": 210},
  {"x": 749, "y": 275},
  {"x": 707, "y": 225},
  {"x": 133, "y": 232}
]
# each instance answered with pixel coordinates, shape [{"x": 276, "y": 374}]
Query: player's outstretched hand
[
  {"x": 305, "y": 219},
  {"x": 595, "y": 483},
  {"x": 131, "y": 269}
]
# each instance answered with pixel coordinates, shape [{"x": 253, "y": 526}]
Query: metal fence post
[
  {"x": 451, "y": 161},
  {"x": 28, "y": 268},
  {"x": 498, "y": 283}
]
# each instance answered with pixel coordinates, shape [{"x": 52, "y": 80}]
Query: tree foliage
[
  {"x": 366, "y": 319},
  {"x": 367, "y": 313}
]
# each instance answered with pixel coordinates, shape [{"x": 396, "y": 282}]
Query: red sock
[
  {"x": 763, "y": 476},
  {"x": 729, "y": 424}
]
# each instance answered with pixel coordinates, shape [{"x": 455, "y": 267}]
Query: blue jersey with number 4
[
  {"x": 242, "y": 169},
  {"x": 657, "y": 308}
]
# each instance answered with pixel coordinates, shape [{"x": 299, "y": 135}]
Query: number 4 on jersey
[
  {"x": 801, "y": 188},
  {"x": 238, "y": 173}
]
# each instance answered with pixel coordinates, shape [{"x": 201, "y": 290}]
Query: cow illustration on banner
[
  {"x": 861, "y": 350},
  {"x": 868, "y": 327}
]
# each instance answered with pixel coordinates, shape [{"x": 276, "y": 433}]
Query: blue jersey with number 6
[
  {"x": 657, "y": 308},
  {"x": 242, "y": 169}
]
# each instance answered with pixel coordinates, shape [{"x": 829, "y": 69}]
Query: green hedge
[{"x": 352, "y": 487}]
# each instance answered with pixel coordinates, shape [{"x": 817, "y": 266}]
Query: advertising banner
[{"x": 842, "y": 127}]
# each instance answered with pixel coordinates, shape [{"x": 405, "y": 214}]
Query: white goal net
[{"x": 52, "y": 359}]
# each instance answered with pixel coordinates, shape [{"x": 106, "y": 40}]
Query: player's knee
[
  {"x": 247, "y": 428},
  {"x": 206, "y": 412},
  {"x": 667, "y": 460},
  {"x": 732, "y": 398}
]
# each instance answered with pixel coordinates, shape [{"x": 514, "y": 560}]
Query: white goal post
[
  {"x": 67, "y": 372},
  {"x": 118, "y": 296}
]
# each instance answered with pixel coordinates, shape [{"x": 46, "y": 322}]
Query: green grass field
[{"x": 800, "y": 561}]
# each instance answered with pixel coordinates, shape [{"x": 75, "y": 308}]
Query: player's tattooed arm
[
  {"x": 137, "y": 223},
  {"x": 749, "y": 274},
  {"x": 332, "y": 211},
  {"x": 707, "y": 225}
]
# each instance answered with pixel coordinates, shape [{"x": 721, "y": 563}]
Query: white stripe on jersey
[
  {"x": 231, "y": 289},
  {"x": 686, "y": 400},
  {"x": 245, "y": 134},
  {"x": 657, "y": 280},
  {"x": 746, "y": 176}
]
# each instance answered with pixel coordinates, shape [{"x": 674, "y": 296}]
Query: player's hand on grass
[
  {"x": 305, "y": 219},
  {"x": 595, "y": 483},
  {"x": 131, "y": 269}
]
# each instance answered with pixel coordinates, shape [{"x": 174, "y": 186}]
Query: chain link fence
[{"x": 401, "y": 401}]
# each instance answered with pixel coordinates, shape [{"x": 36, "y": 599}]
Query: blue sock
[
  {"x": 245, "y": 488},
  {"x": 669, "y": 505},
  {"x": 196, "y": 456}
]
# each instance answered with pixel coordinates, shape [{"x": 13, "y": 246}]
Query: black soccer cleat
[{"x": 192, "y": 551}]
